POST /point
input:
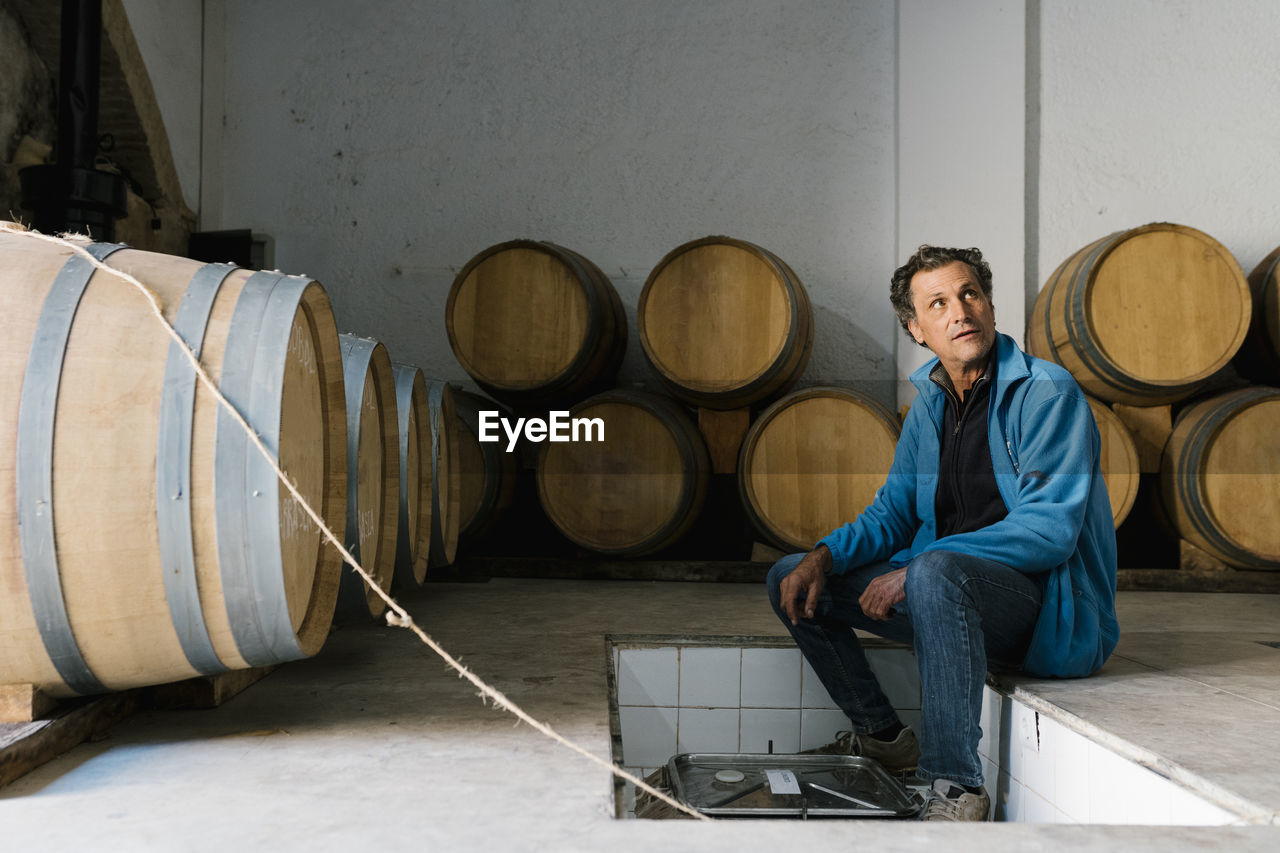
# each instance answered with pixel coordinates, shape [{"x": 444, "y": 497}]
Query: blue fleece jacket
[{"x": 1044, "y": 449}]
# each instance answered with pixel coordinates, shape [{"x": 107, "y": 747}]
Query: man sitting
[{"x": 990, "y": 546}]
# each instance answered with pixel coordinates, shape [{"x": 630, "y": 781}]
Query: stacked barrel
[
  {"x": 1161, "y": 327},
  {"x": 727, "y": 328}
]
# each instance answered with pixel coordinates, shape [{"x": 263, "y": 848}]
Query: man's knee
[
  {"x": 931, "y": 577},
  {"x": 780, "y": 570}
]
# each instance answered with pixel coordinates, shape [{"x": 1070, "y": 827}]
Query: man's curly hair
[{"x": 931, "y": 258}]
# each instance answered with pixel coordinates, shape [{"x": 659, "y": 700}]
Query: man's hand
[
  {"x": 807, "y": 578},
  {"x": 882, "y": 593}
]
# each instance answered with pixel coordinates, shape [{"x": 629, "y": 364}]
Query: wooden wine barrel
[
  {"x": 1259, "y": 356},
  {"x": 143, "y": 538},
  {"x": 813, "y": 461},
  {"x": 486, "y": 472},
  {"x": 725, "y": 323},
  {"x": 639, "y": 489},
  {"x": 1145, "y": 316},
  {"x": 1118, "y": 460},
  {"x": 536, "y": 324},
  {"x": 413, "y": 537},
  {"x": 445, "y": 485},
  {"x": 373, "y": 474},
  {"x": 1220, "y": 476}
]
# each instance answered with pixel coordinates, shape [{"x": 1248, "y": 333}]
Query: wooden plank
[
  {"x": 1180, "y": 580},
  {"x": 723, "y": 431},
  {"x": 718, "y": 571},
  {"x": 26, "y": 746},
  {"x": 1150, "y": 427},
  {"x": 1194, "y": 559},
  {"x": 23, "y": 703},
  {"x": 207, "y": 692}
]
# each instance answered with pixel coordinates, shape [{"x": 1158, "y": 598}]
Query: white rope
[{"x": 396, "y": 615}]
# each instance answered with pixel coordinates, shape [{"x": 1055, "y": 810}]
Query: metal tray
[{"x": 818, "y": 786}]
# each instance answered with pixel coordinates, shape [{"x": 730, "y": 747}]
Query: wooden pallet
[
  {"x": 27, "y": 745},
  {"x": 1197, "y": 571},
  {"x": 37, "y": 729}
]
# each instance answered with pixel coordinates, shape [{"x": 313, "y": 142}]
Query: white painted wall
[
  {"x": 169, "y": 37},
  {"x": 961, "y": 172},
  {"x": 837, "y": 134},
  {"x": 1159, "y": 110},
  {"x": 384, "y": 144}
]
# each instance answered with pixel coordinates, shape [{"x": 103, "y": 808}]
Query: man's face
[{"x": 954, "y": 318}]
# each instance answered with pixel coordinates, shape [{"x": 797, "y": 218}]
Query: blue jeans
[{"x": 964, "y": 615}]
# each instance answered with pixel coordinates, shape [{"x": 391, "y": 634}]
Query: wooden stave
[
  {"x": 154, "y": 645},
  {"x": 600, "y": 355},
  {"x": 1061, "y": 310},
  {"x": 750, "y": 441},
  {"x": 1182, "y": 480},
  {"x": 697, "y": 468},
  {"x": 413, "y": 425},
  {"x": 367, "y": 367},
  {"x": 444, "y": 475},
  {"x": 777, "y": 377},
  {"x": 1109, "y": 424}
]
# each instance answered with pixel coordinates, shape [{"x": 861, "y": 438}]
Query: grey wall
[
  {"x": 1159, "y": 110},
  {"x": 385, "y": 143}
]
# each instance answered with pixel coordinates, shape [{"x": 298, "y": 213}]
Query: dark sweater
[{"x": 967, "y": 497}]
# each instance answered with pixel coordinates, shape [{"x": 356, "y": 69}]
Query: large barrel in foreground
[
  {"x": 1143, "y": 317},
  {"x": 636, "y": 491},
  {"x": 813, "y": 461},
  {"x": 536, "y": 324},
  {"x": 725, "y": 323},
  {"x": 143, "y": 539},
  {"x": 373, "y": 474},
  {"x": 1220, "y": 476}
]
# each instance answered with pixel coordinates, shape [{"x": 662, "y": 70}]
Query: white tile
[
  {"x": 1003, "y": 735},
  {"x": 1030, "y": 762},
  {"x": 912, "y": 719},
  {"x": 813, "y": 694},
  {"x": 648, "y": 735},
  {"x": 1186, "y": 808},
  {"x": 771, "y": 678},
  {"x": 649, "y": 677},
  {"x": 1059, "y": 816},
  {"x": 1007, "y": 803},
  {"x": 710, "y": 678},
  {"x": 708, "y": 730},
  {"x": 818, "y": 726},
  {"x": 1149, "y": 795},
  {"x": 761, "y": 725},
  {"x": 898, "y": 675},
  {"x": 1071, "y": 774},
  {"x": 1036, "y": 809},
  {"x": 1109, "y": 779},
  {"x": 989, "y": 720},
  {"x": 990, "y": 774}
]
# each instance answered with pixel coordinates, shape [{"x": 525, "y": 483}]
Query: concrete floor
[{"x": 373, "y": 743}]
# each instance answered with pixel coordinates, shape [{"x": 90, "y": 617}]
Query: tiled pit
[{"x": 671, "y": 695}]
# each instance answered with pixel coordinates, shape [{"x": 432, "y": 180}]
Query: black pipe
[{"x": 72, "y": 195}]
